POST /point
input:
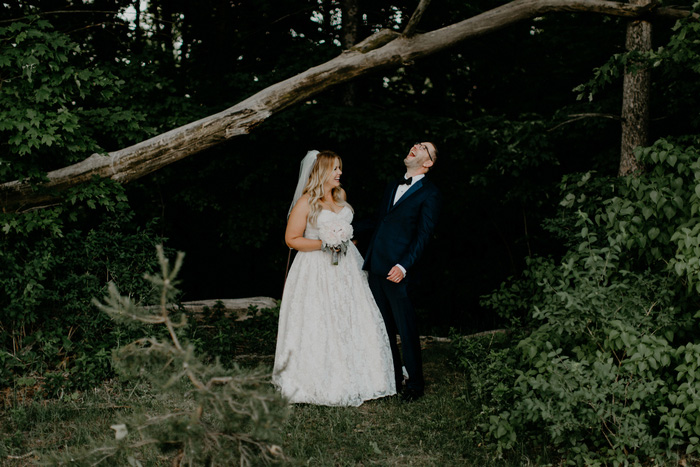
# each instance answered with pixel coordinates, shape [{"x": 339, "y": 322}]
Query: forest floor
[
  {"x": 427, "y": 432},
  {"x": 436, "y": 430}
]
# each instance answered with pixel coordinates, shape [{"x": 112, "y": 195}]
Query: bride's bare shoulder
[
  {"x": 302, "y": 203},
  {"x": 304, "y": 200}
]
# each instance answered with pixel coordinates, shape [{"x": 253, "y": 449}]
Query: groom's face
[{"x": 418, "y": 155}]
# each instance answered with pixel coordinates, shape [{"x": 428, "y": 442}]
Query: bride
[{"x": 332, "y": 345}]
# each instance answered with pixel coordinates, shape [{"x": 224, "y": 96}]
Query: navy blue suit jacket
[{"x": 403, "y": 229}]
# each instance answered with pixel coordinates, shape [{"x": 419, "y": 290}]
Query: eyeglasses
[{"x": 425, "y": 148}]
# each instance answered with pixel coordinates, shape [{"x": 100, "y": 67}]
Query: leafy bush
[
  {"x": 57, "y": 108},
  {"x": 490, "y": 365},
  {"x": 608, "y": 368},
  {"x": 49, "y": 267}
]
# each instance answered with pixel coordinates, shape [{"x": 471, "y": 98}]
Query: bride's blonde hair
[{"x": 325, "y": 163}]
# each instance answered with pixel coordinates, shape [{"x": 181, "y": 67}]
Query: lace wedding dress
[{"x": 332, "y": 345}]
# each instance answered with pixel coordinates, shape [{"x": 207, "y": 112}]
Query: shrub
[
  {"x": 51, "y": 262},
  {"x": 606, "y": 370},
  {"x": 57, "y": 107}
]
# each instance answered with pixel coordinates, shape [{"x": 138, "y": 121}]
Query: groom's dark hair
[{"x": 435, "y": 153}]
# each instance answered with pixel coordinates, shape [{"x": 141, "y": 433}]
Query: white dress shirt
[{"x": 402, "y": 189}]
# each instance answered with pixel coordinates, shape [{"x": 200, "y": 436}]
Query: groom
[{"x": 406, "y": 221}]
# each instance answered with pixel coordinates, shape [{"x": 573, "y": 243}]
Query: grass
[
  {"x": 29, "y": 429},
  {"x": 433, "y": 431},
  {"x": 388, "y": 431}
]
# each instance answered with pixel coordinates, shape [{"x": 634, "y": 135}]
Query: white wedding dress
[{"x": 332, "y": 345}]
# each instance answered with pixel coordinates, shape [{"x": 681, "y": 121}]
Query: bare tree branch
[
  {"x": 415, "y": 18},
  {"x": 577, "y": 117}
]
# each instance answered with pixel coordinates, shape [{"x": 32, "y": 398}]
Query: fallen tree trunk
[
  {"x": 384, "y": 49},
  {"x": 238, "y": 309}
]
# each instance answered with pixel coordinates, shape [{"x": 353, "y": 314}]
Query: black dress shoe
[{"x": 410, "y": 395}]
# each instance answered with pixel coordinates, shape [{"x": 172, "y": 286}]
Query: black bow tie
[{"x": 406, "y": 181}]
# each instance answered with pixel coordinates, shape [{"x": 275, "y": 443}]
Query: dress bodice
[{"x": 325, "y": 216}]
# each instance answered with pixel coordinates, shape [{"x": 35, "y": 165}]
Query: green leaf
[
  {"x": 679, "y": 267},
  {"x": 654, "y": 196},
  {"x": 669, "y": 211}
]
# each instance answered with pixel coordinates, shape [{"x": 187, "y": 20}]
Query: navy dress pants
[{"x": 400, "y": 318}]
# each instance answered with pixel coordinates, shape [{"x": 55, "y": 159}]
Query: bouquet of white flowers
[{"x": 336, "y": 236}]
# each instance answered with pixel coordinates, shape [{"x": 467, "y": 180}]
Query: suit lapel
[
  {"x": 392, "y": 194},
  {"x": 414, "y": 187}
]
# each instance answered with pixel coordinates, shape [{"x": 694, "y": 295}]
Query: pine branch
[{"x": 236, "y": 413}]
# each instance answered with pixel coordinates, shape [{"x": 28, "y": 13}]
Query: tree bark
[
  {"x": 384, "y": 49},
  {"x": 350, "y": 22},
  {"x": 350, "y": 26},
  {"x": 415, "y": 18},
  {"x": 636, "y": 90}
]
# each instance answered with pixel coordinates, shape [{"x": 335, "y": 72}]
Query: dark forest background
[
  {"x": 498, "y": 109},
  {"x": 511, "y": 113},
  {"x": 595, "y": 277}
]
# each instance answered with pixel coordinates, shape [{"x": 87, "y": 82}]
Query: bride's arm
[{"x": 294, "y": 235}]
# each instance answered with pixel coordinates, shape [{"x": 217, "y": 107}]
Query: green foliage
[
  {"x": 54, "y": 103},
  {"x": 57, "y": 107},
  {"x": 490, "y": 364},
  {"x": 674, "y": 65},
  {"x": 606, "y": 74},
  {"x": 49, "y": 260},
  {"x": 607, "y": 369},
  {"x": 236, "y": 415}
]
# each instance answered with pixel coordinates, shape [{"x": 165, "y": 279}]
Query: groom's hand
[{"x": 395, "y": 275}]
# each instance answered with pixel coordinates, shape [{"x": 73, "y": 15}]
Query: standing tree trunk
[
  {"x": 350, "y": 25},
  {"x": 635, "y": 95}
]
